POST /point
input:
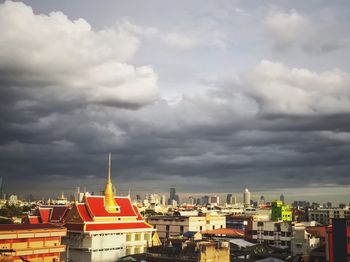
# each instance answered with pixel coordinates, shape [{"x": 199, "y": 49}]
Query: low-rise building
[
  {"x": 324, "y": 216},
  {"x": 25, "y": 242},
  {"x": 306, "y": 238},
  {"x": 280, "y": 212},
  {"x": 274, "y": 233},
  {"x": 176, "y": 225}
]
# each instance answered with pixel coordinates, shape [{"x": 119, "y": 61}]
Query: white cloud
[
  {"x": 297, "y": 91},
  {"x": 306, "y": 32},
  {"x": 286, "y": 28},
  {"x": 70, "y": 59},
  {"x": 180, "y": 40}
]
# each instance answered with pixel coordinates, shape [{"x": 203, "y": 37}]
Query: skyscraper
[
  {"x": 173, "y": 196},
  {"x": 229, "y": 199},
  {"x": 246, "y": 198},
  {"x": 282, "y": 198}
]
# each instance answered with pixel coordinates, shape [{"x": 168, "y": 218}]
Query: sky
[{"x": 212, "y": 96}]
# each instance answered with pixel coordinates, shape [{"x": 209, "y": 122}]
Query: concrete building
[
  {"x": 338, "y": 237},
  {"x": 282, "y": 199},
  {"x": 229, "y": 199},
  {"x": 246, "y": 198},
  {"x": 304, "y": 241},
  {"x": 273, "y": 233},
  {"x": 173, "y": 197},
  {"x": 25, "y": 242},
  {"x": 168, "y": 226},
  {"x": 325, "y": 216},
  {"x": 190, "y": 251},
  {"x": 280, "y": 212}
]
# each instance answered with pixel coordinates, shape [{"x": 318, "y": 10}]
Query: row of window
[
  {"x": 107, "y": 249},
  {"x": 270, "y": 233}
]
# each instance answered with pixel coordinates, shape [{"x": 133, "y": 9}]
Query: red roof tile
[
  {"x": 96, "y": 207},
  {"x": 33, "y": 220},
  {"x": 45, "y": 214},
  {"x": 84, "y": 213},
  {"x": 136, "y": 210}
]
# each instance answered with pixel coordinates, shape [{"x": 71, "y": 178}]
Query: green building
[{"x": 281, "y": 212}]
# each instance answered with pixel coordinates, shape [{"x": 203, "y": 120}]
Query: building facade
[
  {"x": 246, "y": 198},
  {"x": 324, "y": 216},
  {"x": 25, "y": 242},
  {"x": 168, "y": 226},
  {"x": 338, "y": 240},
  {"x": 279, "y": 211},
  {"x": 273, "y": 233}
]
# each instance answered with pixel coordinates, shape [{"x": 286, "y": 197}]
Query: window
[
  {"x": 213, "y": 227},
  {"x": 167, "y": 228},
  {"x": 181, "y": 229},
  {"x": 147, "y": 236},
  {"x": 137, "y": 236},
  {"x": 128, "y": 237}
]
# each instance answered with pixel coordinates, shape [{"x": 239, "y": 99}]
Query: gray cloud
[{"x": 70, "y": 93}]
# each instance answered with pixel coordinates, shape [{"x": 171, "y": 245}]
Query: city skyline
[{"x": 207, "y": 96}]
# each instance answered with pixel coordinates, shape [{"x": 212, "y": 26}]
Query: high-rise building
[
  {"x": 234, "y": 200},
  {"x": 246, "y": 198},
  {"x": 173, "y": 196},
  {"x": 191, "y": 200},
  {"x": 262, "y": 201},
  {"x": 282, "y": 198},
  {"x": 163, "y": 200},
  {"x": 205, "y": 200},
  {"x": 229, "y": 199}
]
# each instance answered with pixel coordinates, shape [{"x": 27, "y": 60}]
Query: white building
[
  {"x": 303, "y": 242},
  {"x": 105, "y": 228},
  {"x": 246, "y": 198},
  {"x": 277, "y": 234},
  {"x": 13, "y": 200},
  {"x": 175, "y": 225}
]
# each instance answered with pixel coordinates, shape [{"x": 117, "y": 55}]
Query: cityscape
[{"x": 174, "y": 131}]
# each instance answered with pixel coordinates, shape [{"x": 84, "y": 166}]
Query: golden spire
[{"x": 110, "y": 204}]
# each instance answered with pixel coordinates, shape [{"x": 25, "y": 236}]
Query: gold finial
[
  {"x": 110, "y": 203},
  {"x": 109, "y": 168}
]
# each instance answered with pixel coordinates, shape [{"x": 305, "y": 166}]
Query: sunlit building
[
  {"x": 25, "y": 242},
  {"x": 105, "y": 228}
]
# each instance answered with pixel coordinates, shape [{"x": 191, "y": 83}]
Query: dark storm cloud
[{"x": 66, "y": 104}]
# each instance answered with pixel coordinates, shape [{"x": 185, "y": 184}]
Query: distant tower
[
  {"x": 229, "y": 199},
  {"x": 234, "y": 200},
  {"x": 246, "y": 198},
  {"x": 262, "y": 200},
  {"x": 282, "y": 198},
  {"x": 172, "y": 195},
  {"x": 163, "y": 200}
]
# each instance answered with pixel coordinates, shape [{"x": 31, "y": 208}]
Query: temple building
[{"x": 105, "y": 228}]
